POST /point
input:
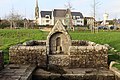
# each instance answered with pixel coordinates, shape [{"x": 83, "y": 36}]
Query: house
[
  {"x": 78, "y": 18},
  {"x": 89, "y": 21},
  {"x": 46, "y": 18},
  {"x": 117, "y": 23},
  {"x": 50, "y": 17}
]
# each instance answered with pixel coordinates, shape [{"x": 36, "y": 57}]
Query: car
[
  {"x": 114, "y": 28},
  {"x": 100, "y": 27},
  {"x": 103, "y": 27}
]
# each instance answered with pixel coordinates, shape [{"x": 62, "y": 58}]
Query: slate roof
[
  {"x": 43, "y": 13},
  {"x": 77, "y": 14},
  {"x": 88, "y": 17},
  {"x": 59, "y": 12}
]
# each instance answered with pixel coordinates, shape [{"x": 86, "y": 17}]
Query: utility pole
[
  {"x": 95, "y": 4},
  {"x": 94, "y": 16},
  {"x": 11, "y": 20}
]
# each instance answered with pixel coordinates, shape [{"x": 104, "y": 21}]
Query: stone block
[
  {"x": 88, "y": 56},
  {"x": 28, "y": 55},
  {"x": 60, "y": 60}
]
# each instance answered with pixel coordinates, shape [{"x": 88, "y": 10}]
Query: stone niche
[
  {"x": 60, "y": 50},
  {"x": 58, "y": 43}
]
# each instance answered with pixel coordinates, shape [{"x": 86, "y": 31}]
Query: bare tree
[
  {"x": 69, "y": 16},
  {"x": 69, "y": 5},
  {"x": 13, "y": 18}
]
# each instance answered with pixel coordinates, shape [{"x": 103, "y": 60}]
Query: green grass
[
  {"x": 117, "y": 66},
  {"x": 13, "y": 37},
  {"x": 112, "y": 38}
]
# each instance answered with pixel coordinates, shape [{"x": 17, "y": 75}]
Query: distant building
[
  {"x": 50, "y": 17},
  {"x": 105, "y": 18},
  {"x": 46, "y": 18},
  {"x": 117, "y": 23},
  {"x": 89, "y": 21},
  {"x": 78, "y": 18}
]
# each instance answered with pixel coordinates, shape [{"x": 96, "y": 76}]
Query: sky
[{"x": 26, "y": 8}]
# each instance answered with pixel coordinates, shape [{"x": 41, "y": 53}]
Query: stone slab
[
  {"x": 23, "y": 73},
  {"x": 75, "y": 74}
]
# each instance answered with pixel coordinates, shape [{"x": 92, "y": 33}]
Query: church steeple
[
  {"x": 36, "y": 10},
  {"x": 36, "y": 3}
]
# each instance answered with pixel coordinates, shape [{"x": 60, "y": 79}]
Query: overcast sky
[{"x": 26, "y": 7}]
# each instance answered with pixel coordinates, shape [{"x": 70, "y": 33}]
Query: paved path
[{"x": 17, "y": 72}]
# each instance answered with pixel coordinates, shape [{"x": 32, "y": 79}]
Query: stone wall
[
  {"x": 1, "y": 60},
  {"x": 88, "y": 56},
  {"x": 60, "y": 60},
  {"x": 28, "y": 55},
  {"x": 77, "y": 57},
  {"x": 35, "y": 43},
  {"x": 79, "y": 43}
]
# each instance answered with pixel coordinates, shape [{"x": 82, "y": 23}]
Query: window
[
  {"x": 78, "y": 17},
  {"x": 47, "y": 21},
  {"x": 47, "y": 16},
  {"x": 67, "y": 16},
  {"x": 78, "y": 21},
  {"x": 73, "y": 17}
]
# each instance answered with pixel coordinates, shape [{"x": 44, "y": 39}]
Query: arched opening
[
  {"x": 58, "y": 45},
  {"x": 55, "y": 43}
]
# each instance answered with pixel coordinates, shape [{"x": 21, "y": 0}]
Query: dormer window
[
  {"x": 67, "y": 16},
  {"x": 47, "y": 16},
  {"x": 74, "y": 17},
  {"x": 47, "y": 21},
  {"x": 78, "y": 17}
]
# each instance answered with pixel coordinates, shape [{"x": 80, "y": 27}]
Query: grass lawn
[
  {"x": 112, "y": 37},
  {"x": 12, "y": 37},
  {"x": 117, "y": 66}
]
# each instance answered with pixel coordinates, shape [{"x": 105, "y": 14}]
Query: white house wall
[
  {"x": 52, "y": 21},
  {"x": 43, "y": 21},
  {"x": 81, "y": 22}
]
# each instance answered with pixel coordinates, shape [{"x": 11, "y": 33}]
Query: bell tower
[{"x": 36, "y": 12}]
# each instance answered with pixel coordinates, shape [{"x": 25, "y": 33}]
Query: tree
[
  {"x": 69, "y": 16},
  {"x": 4, "y": 24},
  {"x": 111, "y": 22},
  {"x": 14, "y": 19}
]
